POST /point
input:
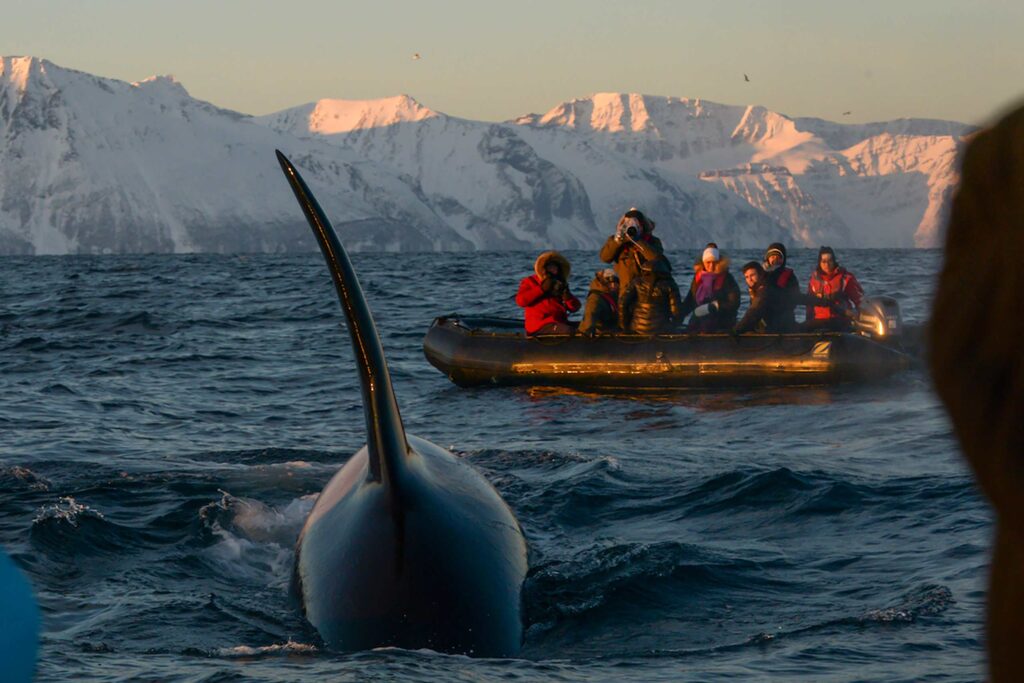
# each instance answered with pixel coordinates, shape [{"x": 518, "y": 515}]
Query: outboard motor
[{"x": 879, "y": 318}]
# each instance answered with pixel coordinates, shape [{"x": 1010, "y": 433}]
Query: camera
[{"x": 632, "y": 231}]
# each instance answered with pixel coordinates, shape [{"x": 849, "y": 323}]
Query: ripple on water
[{"x": 169, "y": 420}]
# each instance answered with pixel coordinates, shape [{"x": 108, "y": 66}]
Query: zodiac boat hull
[{"x": 494, "y": 351}]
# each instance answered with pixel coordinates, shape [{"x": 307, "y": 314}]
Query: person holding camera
[
  {"x": 545, "y": 296},
  {"x": 714, "y": 296},
  {"x": 632, "y": 244}
]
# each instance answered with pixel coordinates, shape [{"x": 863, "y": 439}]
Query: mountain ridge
[{"x": 98, "y": 165}]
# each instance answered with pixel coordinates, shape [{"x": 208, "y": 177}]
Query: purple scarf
[{"x": 705, "y": 288}]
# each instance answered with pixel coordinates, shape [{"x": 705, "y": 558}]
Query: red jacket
[
  {"x": 842, "y": 288},
  {"x": 542, "y": 308}
]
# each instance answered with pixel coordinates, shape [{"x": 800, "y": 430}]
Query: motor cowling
[{"x": 879, "y": 318}]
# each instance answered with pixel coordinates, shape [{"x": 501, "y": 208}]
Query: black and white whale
[{"x": 407, "y": 545}]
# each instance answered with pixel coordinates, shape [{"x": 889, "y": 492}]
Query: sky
[{"x": 962, "y": 60}]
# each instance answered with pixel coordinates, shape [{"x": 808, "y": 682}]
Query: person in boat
[
  {"x": 835, "y": 292},
  {"x": 545, "y": 296},
  {"x": 782, "y": 277},
  {"x": 769, "y": 306},
  {"x": 714, "y": 296},
  {"x": 601, "y": 312},
  {"x": 650, "y": 304},
  {"x": 632, "y": 244},
  {"x": 977, "y": 362}
]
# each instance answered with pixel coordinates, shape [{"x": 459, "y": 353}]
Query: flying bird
[
  {"x": 846, "y": 113},
  {"x": 746, "y": 78},
  {"x": 415, "y": 56}
]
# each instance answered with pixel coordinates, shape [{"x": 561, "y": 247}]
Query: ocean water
[{"x": 167, "y": 422}]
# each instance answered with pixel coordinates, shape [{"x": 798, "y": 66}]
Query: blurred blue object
[{"x": 19, "y": 624}]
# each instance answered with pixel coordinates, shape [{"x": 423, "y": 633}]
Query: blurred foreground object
[
  {"x": 19, "y": 624},
  {"x": 977, "y": 360}
]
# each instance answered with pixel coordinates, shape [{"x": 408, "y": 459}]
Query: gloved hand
[
  {"x": 546, "y": 284},
  {"x": 838, "y": 306},
  {"x": 620, "y": 233},
  {"x": 558, "y": 287},
  {"x": 705, "y": 309}
]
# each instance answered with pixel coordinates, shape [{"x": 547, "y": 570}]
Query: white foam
[
  {"x": 288, "y": 648},
  {"x": 66, "y": 509},
  {"x": 255, "y": 539}
]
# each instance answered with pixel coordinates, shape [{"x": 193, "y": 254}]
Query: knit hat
[
  {"x": 776, "y": 248},
  {"x": 711, "y": 254}
]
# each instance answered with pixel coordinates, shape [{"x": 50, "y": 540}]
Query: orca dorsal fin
[{"x": 385, "y": 434}]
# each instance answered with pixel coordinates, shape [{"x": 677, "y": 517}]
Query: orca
[{"x": 407, "y": 546}]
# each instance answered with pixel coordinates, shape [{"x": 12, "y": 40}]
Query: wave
[
  {"x": 68, "y": 527},
  {"x": 249, "y": 539},
  {"x": 277, "y": 650},
  {"x": 15, "y": 478},
  {"x": 574, "y": 588},
  {"x": 926, "y": 600}
]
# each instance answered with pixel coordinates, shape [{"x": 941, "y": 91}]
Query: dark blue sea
[{"x": 167, "y": 421}]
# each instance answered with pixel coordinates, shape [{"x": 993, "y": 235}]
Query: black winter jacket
[
  {"x": 627, "y": 257},
  {"x": 769, "y": 311},
  {"x": 650, "y": 304},
  {"x": 784, "y": 280}
]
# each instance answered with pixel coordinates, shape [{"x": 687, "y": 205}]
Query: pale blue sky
[{"x": 960, "y": 60}]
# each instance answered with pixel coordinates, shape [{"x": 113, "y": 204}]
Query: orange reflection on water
[{"x": 709, "y": 400}]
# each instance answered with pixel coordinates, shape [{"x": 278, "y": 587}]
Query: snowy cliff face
[
  {"x": 494, "y": 189},
  {"x": 877, "y": 184},
  {"x": 94, "y": 165},
  {"x": 512, "y": 185}
]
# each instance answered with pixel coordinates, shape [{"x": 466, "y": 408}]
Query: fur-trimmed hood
[
  {"x": 721, "y": 266},
  {"x": 542, "y": 261}
]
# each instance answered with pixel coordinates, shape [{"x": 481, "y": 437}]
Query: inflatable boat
[{"x": 474, "y": 351}]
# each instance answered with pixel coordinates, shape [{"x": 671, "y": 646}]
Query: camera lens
[{"x": 631, "y": 231}]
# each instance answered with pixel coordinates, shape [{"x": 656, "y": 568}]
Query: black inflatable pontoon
[{"x": 474, "y": 351}]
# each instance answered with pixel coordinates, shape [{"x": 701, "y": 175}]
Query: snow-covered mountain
[
  {"x": 95, "y": 165},
  {"x": 877, "y": 184},
  {"x": 90, "y": 164}
]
